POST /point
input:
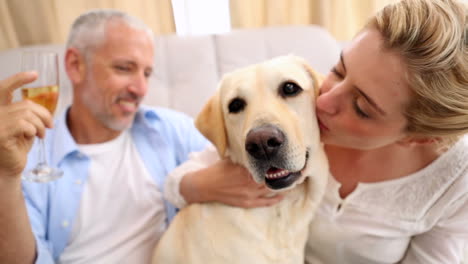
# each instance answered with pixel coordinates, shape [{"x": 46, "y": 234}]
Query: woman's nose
[{"x": 328, "y": 101}]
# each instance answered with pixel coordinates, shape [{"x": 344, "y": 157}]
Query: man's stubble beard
[{"x": 107, "y": 119}]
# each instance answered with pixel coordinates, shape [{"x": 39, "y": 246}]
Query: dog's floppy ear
[
  {"x": 210, "y": 122},
  {"x": 316, "y": 77}
]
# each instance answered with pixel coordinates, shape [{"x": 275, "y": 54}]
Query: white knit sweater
[{"x": 421, "y": 218}]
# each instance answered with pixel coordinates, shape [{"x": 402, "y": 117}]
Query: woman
[
  {"x": 389, "y": 112},
  {"x": 392, "y": 113}
]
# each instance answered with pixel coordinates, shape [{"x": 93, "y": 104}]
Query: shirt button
[
  {"x": 338, "y": 208},
  {"x": 78, "y": 182},
  {"x": 65, "y": 224}
]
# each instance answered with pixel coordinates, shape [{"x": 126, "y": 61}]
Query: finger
[
  {"x": 264, "y": 201},
  {"x": 269, "y": 201},
  {"x": 38, "y": 125},
  {"x": 22, "y": 114},
  {"x": 28, "y": 130},
  {"x": 8, "y": 85},
  {"x": 251, "y": 181},
  {"x": 270, "y": 195},
  {"x": 38, "y": 116},
  {"x": 17, "y": 80},
  {"x": 19, "y": 128},
  {"x": 265, "y": 192},
  {"x": 38, "y": 110}
]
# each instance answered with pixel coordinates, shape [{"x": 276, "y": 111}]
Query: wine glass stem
[{"x": 42, "y": 157}]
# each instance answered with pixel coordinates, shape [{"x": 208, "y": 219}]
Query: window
[{"x": 195, "y": 17}]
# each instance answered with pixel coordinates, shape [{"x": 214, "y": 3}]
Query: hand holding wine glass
[
  {"x": 20, "y": 124},
  {"x": 44, "y": 91}
]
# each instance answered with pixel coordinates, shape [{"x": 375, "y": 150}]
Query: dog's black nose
[{"x": 264, "y": 142}]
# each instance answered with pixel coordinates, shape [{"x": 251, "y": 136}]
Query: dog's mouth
[{"x": 278, "y": 178}]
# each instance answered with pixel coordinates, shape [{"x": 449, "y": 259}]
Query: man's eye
[
  {"x": 289, "y": 89},
  {"x": 122, "y": 68},
  {"x": 148, "y": 74}
]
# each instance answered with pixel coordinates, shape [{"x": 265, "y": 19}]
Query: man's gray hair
[{"x": 89, "y": 29}]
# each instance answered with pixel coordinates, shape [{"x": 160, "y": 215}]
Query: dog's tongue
[{"x": 275, "y": 173}]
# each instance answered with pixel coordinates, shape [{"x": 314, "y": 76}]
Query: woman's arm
[
  {"x": 206, "y": 178},
  {"x": 445, "y": 242}
]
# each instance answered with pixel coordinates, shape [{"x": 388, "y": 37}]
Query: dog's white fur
[{"x": 213, "y": 233}]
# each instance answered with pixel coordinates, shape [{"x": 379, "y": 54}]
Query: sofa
[{"x": 188, "y": 68}]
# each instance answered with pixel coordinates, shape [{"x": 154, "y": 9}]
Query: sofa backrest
[{"x": 188, "y": 68}]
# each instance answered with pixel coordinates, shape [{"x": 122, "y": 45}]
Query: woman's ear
[
  {"x": 75, "y": 65},
  {"x": 412, "y": 140}
]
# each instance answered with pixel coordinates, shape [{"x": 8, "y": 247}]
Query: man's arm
[
  {"x": 21, "y": 123},
  {"x": 17, "y": 243}
]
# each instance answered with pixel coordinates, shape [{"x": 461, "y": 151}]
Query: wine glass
[{"x": 44, "y": 91}]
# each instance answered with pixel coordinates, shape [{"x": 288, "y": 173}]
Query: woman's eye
[
  {"x": 289, "y": 89},
  {"x": 359, "y": 111},
  {"x": 336, "y": 72}
]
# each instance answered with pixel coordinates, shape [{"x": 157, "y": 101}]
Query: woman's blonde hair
[{"x": 432, "y": 38}]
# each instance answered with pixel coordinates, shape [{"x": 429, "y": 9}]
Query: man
[{"x": 108, "y": 207}]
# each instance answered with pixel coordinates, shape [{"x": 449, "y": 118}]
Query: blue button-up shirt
[{"x": 164, "y": 139}]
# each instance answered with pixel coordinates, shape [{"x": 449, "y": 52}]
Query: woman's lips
[{"x": 322, "y": 126}]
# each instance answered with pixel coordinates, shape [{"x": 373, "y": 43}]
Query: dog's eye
[
  {"x": 236, "y": 105},
  {"x": 289, "y": 89}
]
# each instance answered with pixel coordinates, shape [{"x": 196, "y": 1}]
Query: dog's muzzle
[{"x": 264, "y": 145}]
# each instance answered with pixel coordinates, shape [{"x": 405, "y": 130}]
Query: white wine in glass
[
  {"x": 46, "y": 96},
  {"x": 43, "y": 91}
]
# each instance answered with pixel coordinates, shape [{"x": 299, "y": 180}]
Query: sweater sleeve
[
  {"x": 196, "y": 161},
  {"x": 445, "y": 242}
]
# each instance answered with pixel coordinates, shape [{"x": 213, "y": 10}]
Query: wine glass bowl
[
  {"x": 46, "y": 96},
  {"x": 44, "y": 91}
]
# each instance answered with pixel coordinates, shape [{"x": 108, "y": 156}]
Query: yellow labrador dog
[{"x": 263, "y": 117}]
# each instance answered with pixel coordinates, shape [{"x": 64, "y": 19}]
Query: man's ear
[
  {"x": 75, "y": 65},
  {"x": 210, "y": 122}
]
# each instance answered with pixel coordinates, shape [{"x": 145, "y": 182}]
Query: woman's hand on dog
[{"x": 227, "y": 183}]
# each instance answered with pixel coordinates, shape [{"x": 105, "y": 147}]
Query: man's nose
[{"x": 139, "y": 84}]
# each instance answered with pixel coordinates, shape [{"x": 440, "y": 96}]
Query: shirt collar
[
  {"x": 64, "y": 144},
  {"x": 147, "y": 116}
]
